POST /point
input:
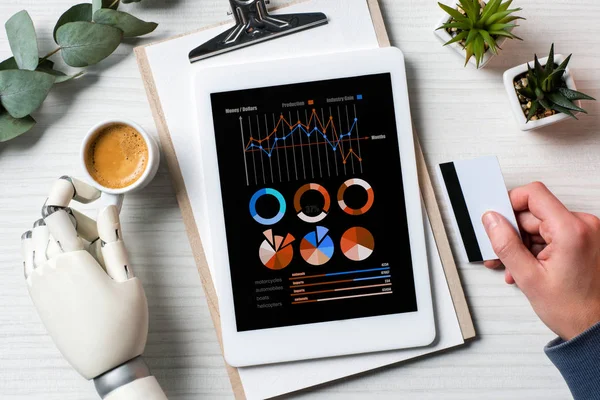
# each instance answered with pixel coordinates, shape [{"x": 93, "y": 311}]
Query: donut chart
[
  {"x": 276, "y": 252},
  {"x": 357, "y": 244},
  {"x": 356, "y": 182},
  {"x": 280, "y": 213},
  {"x": 298, "y": 206},
  {"x": 316, "y": 248}
]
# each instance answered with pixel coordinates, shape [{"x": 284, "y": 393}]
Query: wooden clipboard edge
[
  {"x": 378, "y": 23},
  {"x": 454, "y": 283},
  {"x": 459, "y": 300},
  {"x": 187, "y": 214}
]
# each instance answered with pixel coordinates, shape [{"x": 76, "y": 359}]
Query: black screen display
[{"x": 313, "y": 199}]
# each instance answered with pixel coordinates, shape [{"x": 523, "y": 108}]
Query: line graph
[{"x": 283, "y": 148}]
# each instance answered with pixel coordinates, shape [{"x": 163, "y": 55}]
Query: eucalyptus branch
[
  {"x": 86, "y": 34},
  {"x": 53, "y": 52}
]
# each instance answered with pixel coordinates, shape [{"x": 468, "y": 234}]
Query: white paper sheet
[{"x": 350, "y": 28}]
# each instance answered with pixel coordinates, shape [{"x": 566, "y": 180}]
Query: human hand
[
  {"x": 82, "y": 285},
  {"x": 557, "y": 265}
]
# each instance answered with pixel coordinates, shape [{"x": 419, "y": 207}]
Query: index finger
[
  {"x": 539, "y": 200},
  {"x": 67, "y": 188}
]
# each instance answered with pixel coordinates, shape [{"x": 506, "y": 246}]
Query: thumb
[{"x": 508, "y": 246}]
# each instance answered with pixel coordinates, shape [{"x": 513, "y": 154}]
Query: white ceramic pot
[
  {"x": 509, "y": 77},
  {"x": 444, "y": 36}
]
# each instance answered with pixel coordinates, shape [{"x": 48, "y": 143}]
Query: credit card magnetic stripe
[{"x": 461, "y": 212}]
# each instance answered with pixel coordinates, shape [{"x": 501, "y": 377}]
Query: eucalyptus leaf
[
  {"x": 87, "y": 43},
  {"x": 47, "y": 66},
  {"x": 22, "y": 39},
  {"x": 130, "y": 25},
  {"x": 11, "y": 127},
  {"x": 22, "y": 92},
  {"x": 44, "y": 65},
  {"x": 9, "y": 63},
  {"x": 66, "y": 78},
  {"x": 79, "y": 12},
  {"x": 96, "y": 5}
]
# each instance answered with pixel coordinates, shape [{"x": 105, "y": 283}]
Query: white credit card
[{"x": 472, "y": 188}]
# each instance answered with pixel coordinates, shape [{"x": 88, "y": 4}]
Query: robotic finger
[
  {"x": 116, "y": 260},
  {"x": 41, "y": 240},
  {"x": 67, "y": 188},
  {"x": 67, "y": 225},
  {"x": 27, "y": 253},
  {"x": 84, "y": 225},
  {"x": 95, "y": 249},
  {"x": 62, "y": 229}
]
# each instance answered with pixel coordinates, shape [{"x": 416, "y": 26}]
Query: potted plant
[
  {"x": 545, "y": 94},
  {"x": 476, "y": 28}
]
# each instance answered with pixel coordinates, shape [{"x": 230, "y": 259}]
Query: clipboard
[{"x": 458, "y": 297}]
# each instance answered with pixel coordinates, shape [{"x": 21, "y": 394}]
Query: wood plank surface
[{"x": 458, "y": 113}]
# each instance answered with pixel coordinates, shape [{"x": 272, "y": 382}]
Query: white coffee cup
[{"x": 115, "y": 196}]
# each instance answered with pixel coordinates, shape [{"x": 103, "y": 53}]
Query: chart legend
[{"x": 353, "y": 284}]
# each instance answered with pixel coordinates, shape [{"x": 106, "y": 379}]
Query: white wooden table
[{"x": 459, "y": 113}]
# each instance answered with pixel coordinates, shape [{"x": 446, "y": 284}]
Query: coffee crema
[{"x": 117, "y": 156}]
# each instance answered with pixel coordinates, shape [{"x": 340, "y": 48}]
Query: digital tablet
[{"x": 314, "y": 207}]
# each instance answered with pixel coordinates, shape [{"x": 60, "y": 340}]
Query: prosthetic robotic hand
[{"x": 83, "y": 288}]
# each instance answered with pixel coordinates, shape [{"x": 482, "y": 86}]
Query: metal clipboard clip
[{"x": 254, "y": 25}]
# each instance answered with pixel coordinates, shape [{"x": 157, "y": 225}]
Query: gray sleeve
[{"x": 578, "y": 360}]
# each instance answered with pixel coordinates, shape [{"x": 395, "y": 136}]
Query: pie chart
[
  {"x": 276, "y": 251},
  {"x": 362, "y": 184},
  {"x": 317, "y": 247},
  {"x": 319, "y": 212},
  {"x": 357, "y": 244}
]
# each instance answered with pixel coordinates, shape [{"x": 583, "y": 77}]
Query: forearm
[
  {"x": 130, "y": 381},
  {"x": 578, "y": 360}
]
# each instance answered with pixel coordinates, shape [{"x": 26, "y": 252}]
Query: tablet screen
[{"x": 313, "y": 199}]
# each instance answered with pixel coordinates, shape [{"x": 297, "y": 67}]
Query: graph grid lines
[{"x": 327, "y": 135}]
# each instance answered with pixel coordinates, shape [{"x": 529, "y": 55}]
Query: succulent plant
[
  {"x": 546, "y": 88},
  {"x": 478, "y": 25}
]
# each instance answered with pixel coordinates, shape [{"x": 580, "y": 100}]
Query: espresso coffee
[{"x": 117, "y": 156}]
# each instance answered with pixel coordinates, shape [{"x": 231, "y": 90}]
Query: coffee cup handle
[{"x": 112, "y": 200}]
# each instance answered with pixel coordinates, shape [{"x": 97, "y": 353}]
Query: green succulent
[
  {"x": 546, "y": 88},
  {"x": 480, "y": 25}
]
